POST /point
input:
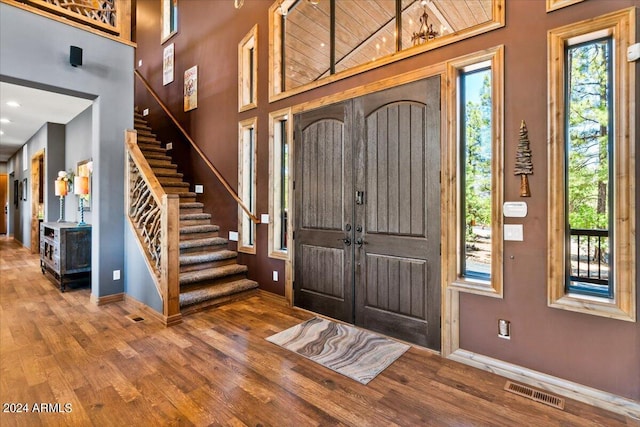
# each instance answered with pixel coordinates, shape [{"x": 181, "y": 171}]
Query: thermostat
[{"x": 514, "y": 209}]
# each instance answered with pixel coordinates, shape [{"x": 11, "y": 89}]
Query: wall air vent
[{"x": 533, "y": 394}]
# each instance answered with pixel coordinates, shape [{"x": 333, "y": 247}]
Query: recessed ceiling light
[
  {"x": 5, "y": 120},
  {"x": 13, "y": 104}
]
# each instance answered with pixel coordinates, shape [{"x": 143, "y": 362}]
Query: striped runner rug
[{"x": 352, "y": 352}]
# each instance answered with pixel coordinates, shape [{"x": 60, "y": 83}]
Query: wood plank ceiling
[{"x": 365, "y": 31}]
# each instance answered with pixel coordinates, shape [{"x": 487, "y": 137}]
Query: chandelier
[{"x": 426, "y": 31}]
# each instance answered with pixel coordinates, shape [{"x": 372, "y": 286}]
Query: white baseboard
[{"x": 571, "y": 390}]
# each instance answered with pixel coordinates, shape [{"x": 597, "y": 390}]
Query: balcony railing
[
  {"x": 590, "y": 258},
  {"x": 112, "y": 17}
]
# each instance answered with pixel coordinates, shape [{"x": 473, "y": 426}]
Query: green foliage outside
[{"x": 588, "y": 128}]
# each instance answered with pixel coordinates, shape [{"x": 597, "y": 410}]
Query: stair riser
[
  {"x": 161, "y": 170},
  {"x": 210, "y": 248},
  {"x": 195, "y": 236},
  {"x": 187, "y": 199},
  {"x": 172, "y": 189},
  {"x": 148, "y": 139},
  {"x": 203, "y": 265},
  {"x": 159, "y": 162},
  {"x": 152, "y": 151},
  {"x": 188, "y": 222},
  {"x": 187, "y": 211}
]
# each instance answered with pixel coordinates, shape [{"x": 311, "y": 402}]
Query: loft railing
[
  {"x": 213, "y": 169},
  {"x": 154, "y": 216},
  {"x": 112, "y": 17},
  {"x": 590, "y": 256}
]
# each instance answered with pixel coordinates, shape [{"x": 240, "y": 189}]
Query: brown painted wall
[{"x": 600, "y": 353}]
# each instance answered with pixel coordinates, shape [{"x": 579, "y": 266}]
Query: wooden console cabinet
[{"x": 65, "y": 250}]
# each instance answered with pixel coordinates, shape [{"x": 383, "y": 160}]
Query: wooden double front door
[{"x": 367, "y": 204}]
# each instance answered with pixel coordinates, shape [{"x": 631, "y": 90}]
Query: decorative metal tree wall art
[{"x": 524, "y": 165}]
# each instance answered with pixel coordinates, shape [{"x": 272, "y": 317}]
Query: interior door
[
  {"x": 397, "y": 214},
  {"x": 323, "y": 249},
  {"x": 4, "y": 205}
]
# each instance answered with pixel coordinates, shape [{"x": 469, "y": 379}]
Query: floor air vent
[
  {"x": 533, "y": 394},
  {"x": 135, "y": 318}
]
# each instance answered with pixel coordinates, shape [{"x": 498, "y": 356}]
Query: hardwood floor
[{"x": 216, "y": 368}]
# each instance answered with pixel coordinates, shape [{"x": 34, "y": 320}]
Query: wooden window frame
[
  {"x": 451, "y": 240},
  {"x": 275, "y": 179},
  {"x": 246, "y": 227},
  {"x": 276, "y": 91},
  {"x": 165, "y": 18},
  {"x": 621, "y": 27},
  {"x": 248, "y": 71},
  {"x": 559, "y": 4}
]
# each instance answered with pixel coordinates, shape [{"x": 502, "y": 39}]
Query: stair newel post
[{"x": 171, "y": 256}]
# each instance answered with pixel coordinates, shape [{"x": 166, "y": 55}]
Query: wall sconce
[{"x": 81, "y": 188}]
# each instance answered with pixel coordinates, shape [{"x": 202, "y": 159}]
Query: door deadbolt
[{"x": 359, "y": 197}]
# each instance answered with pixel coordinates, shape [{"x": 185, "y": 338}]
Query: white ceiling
[{"x": 37, "y": 107}]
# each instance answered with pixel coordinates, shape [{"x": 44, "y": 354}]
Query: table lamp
[
  {"x": 81, "y": 188},
  {"x": 61, "y": 191}
]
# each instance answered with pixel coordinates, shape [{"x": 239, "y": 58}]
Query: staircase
[{"x": 209, "y": 272}]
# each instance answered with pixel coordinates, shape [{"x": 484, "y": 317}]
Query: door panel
[
  {"x": 323, "y": 261},
  {"x": 397, "y": 281}
]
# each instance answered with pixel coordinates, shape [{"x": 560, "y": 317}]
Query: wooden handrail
[{"x": 215, "y": 171}]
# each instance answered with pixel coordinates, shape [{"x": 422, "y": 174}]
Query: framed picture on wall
[
  {"x": 191, "y": 88},
  {"x": 167, "y": 64},
  {"x": 16, "y": 192},
  {"x": 24, "y": 190}
]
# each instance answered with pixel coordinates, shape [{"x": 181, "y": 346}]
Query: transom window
[{"x": 318, "y": 41}]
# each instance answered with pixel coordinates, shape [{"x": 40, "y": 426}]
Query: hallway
[{"x": 216, "y": 368}]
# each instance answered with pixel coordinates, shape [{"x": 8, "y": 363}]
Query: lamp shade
[
  {"x": 81, "y": 185},
  {"x": 61, "y": 188}
]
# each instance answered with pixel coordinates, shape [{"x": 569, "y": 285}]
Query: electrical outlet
[
  {"x": 145, "y": 112},
  {"x": 116, "y": 274},
  {"x": 275, "y": 276},
  {"x": 233, "y": 236},
  {"x": 169, "y": 146},
  {"x": 199, "y": 189},
  {"x": 504, "y": 329}
]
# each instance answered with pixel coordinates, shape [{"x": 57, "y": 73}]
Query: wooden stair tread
[
  {"x": 214, "y": 273},
  {"x": 211, "y": 293},
  {"x": 203, "y": 257}
]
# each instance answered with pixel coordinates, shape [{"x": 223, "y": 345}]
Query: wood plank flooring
[{"x": 216, "y": 368}]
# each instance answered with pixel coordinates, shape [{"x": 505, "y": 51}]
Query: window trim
[
  {"x": 248, "y": 71},
  {"x": 451, "y": 252},
  {"x": 621, "y": 26},
  {"x": 275, "y": 118},
  {"x": 243, "y": 219},
  {"x": 276, "y": 91}
]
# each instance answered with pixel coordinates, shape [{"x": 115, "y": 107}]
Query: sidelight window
[
  {"x": 279, "y": 153},
  {"x": 248, "y": 71},
  {"x": 591, "y": 195},
  {"x": 472, "y": 180},
  {"x": 247, "y": 184}
]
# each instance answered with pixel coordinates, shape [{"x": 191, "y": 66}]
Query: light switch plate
[
  {"x": 233, "y": 236},
  {"x": 275, "y": 276},
  {"x": 264, "y": 219},
  {"x": 513, "y": 232},
  {"x": 116, "y": 274},
  {"x": 145, "y": 112},
  {"x": 169, "y": 146},
  {"x": 199, "y": 189}
]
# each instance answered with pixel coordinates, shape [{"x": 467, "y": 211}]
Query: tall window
[
  {"x": 591, "y": 195},
  {"x": 475, "y": 164},
  {"x": 248, "y": 71},
  {"x": 472, "y": 180},
  {"x": 588, "y": 151},
  {"x": 247, "y": 184},
  {"x": 279, "y": 185}
]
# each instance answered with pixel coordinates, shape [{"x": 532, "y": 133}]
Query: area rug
[{"x": 352, "y": 352}]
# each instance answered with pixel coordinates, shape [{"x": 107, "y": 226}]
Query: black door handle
[
  {"x": 360, "y": 242},
  {"x": 346, "y": 241}
]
